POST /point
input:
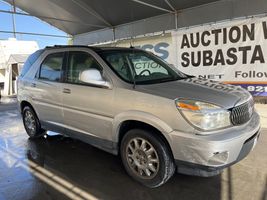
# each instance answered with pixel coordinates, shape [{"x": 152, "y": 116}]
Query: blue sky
[{"x": 29, "y": 24}]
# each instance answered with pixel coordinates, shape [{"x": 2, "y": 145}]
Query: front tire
[
  {"x": 31, "y": 123},
  {"x": 146, "y": 158}
]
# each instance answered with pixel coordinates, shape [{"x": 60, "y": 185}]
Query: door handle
[{"x": 66, "y": 90}]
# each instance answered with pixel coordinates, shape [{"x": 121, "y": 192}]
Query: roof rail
[{"x": 68, "y": 46}]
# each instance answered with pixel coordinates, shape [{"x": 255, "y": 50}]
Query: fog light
[{"x": 219, "y": 158}]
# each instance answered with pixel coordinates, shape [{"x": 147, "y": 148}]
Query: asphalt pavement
[{"x": 58, "y": 167}]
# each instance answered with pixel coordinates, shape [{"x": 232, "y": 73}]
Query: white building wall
[
  {"x": 13, "y": 46},
  {"x": 7, "y": 48}
]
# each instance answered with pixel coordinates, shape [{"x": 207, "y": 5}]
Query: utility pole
[{"x": 13, "y": 19}]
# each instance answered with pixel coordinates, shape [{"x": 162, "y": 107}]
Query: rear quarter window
[{"x": 29, "y": 62}]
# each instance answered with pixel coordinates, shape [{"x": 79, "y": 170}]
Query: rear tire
[
  {"x": 146, "y": 158},
  {"x": 31, "y": 123}
]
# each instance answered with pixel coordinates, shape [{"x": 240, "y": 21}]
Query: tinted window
[
  {"x": 78, "y": 62},
  {"x": 119, "y": 64},
  {"x": 141, "y": 66},
  {"x": 31, "y": 59},
  {"x": 51, "y": 67}
]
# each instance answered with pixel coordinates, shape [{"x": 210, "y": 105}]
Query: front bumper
[{"x": 208, "y": 155}]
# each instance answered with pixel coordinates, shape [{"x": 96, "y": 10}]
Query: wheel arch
[
  {"x": 138, "y": 119},
  {"x": 25, "y": 103}
]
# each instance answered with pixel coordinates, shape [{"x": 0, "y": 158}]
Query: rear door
[
  {"x": 47, "y": 91},
  {"x": 87, "y": 108}
]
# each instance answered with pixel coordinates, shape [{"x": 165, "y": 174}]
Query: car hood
[{"x": 223, "y": 95}]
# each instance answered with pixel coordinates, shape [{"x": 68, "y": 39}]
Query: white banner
[{"x": 234, "y": 52}]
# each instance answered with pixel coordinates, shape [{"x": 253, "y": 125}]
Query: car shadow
[{"x": 102, "y": 174}]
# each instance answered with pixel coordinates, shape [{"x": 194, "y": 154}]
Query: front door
[{"x": 87, "y": 108}]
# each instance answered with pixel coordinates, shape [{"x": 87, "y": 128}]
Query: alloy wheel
[
  {"x": 30, "y": 122},
  {"x": 142, "y": 158}
]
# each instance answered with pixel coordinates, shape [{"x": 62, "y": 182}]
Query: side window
[
  {"x": 30, "y": 60},
  {"x": 51, "y": 67},
  {"x": 78, "y": 62}
]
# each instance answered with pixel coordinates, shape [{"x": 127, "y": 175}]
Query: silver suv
[{"x": 131, "y": 103}]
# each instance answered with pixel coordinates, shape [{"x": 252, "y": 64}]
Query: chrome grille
[{"x": 242, "y": 113}]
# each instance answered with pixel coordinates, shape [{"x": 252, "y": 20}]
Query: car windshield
[{"x": 140, "y": 67}]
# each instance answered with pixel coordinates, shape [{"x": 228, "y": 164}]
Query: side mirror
[{"x": 94, "y": 77}]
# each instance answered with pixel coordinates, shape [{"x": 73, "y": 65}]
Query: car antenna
[{"x": 131, "y": 45}]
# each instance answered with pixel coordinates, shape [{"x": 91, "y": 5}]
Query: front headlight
[{"x": 204, "y": 116}]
